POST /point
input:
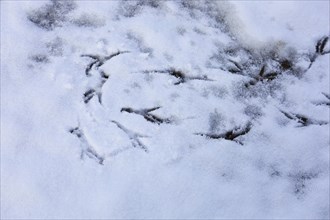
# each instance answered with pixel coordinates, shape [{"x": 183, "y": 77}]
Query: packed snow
[{"x": 165, "y": 109}]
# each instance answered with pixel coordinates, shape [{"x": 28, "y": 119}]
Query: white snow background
[{"x": 262, "y": 68}]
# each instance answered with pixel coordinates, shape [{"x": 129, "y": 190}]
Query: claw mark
[
  {"x": 326, "y": 95},
  {"x": 99, "y": 60},
  {"x": 237, "y": 69},
  {"x": 86, "y": 147},
  {"x": 319, "y": 50},
  {"x": 262, "y": 77},
  {"x": 89, "y": 68},
  {"x": 303, "y": 120},
  {"x": 133, "y": 136},
  {"x": 90, "y": 93},
  {"x": 182, "y": 77},
  {"x": 262, "y": 71},
  {"x": 327, "y": 102},
  {"x": 230, "y": 135},
  {"x": 104, "y": 78},
  {"x": 147, "y": 115}
]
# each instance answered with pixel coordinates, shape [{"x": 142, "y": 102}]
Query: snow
[
  {"x": 66, "y": 157},
  {"x": 296, "y": 24}
]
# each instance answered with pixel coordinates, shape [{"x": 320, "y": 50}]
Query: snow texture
[{"x": 165, "y": 109}]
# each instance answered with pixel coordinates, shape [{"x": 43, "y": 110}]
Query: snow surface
[{"x": 66, "y": 157}]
